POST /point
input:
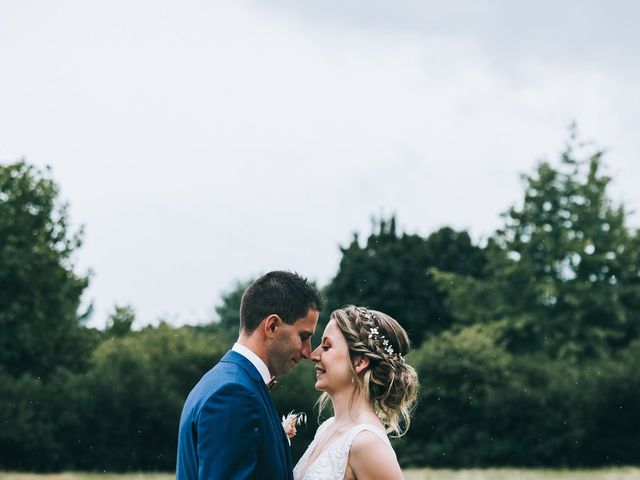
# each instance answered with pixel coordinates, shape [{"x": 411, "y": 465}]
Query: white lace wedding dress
[{"x": 332, "y": 463}]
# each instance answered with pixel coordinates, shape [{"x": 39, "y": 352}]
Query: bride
[{"x": 360, "y": 368}]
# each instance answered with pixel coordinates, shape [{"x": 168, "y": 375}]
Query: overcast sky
[{"x": 205, "y": 142}]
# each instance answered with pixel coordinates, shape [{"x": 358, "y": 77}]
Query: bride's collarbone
[
  {"x": 334, "y": 432},
  {"x": 333, "y": 435},
  {"x": 328, "y": 439}
]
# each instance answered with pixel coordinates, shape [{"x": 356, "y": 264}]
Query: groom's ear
[
  {"x": 360, "y": 363},
  {"x": 271, "y": 324}
]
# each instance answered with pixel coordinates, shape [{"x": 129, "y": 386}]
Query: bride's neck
[{"x": 348, "y": 408}]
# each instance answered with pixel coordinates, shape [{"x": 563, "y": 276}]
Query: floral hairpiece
[{"x": 374, "y": 333}]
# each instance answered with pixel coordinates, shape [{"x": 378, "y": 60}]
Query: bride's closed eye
[{"x": 325, "y": 346}]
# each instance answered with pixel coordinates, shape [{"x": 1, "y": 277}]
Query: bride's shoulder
[
  {"x": 368, "y": 437},
  {"x": 372, "y": 456}
]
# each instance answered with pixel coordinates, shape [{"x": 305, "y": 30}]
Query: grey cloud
[{"x": 570, "y": 33}]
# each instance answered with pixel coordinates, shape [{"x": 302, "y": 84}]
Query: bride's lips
[{"x": 319, "y": 371}]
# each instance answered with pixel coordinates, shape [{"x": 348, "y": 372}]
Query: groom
[{"x": 229, "y": 428}]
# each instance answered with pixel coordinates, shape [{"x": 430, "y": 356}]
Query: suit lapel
[
  {"x": 252, "y": 371},
  {"x": 283, "y": 444}
]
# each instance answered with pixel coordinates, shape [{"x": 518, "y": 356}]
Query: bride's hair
[{"x": 389, "y": 383}]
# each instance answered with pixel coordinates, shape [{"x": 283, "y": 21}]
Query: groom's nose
[{"x": 306, "y": 348}]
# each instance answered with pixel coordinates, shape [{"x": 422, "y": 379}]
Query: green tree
[
  {"x": 39, "y": 290},
  {"x": 120, "y": 321},
  {"x": 484, "y": 406},
  {"x": 574, "y": 262},
  {"x": 564, "y": 275},
  {"x": 131, "y": 398},
  {"x": 27, "y": 431},
  {"x": 391, "y": 273},
  {"x": 226, "y": 325}
]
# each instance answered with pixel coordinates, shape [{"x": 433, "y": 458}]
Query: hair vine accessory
[{"x": 374, "y": 333}]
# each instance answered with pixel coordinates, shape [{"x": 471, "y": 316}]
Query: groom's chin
[{"x": 289, "y": 366}]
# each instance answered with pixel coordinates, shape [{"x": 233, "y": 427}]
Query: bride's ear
[{"x": 360, "y": 363}]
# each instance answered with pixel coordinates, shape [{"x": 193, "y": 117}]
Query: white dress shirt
[{"x": 255, "y": 360}]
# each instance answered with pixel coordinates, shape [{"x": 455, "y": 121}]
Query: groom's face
[{"x": 292, "y": 343}]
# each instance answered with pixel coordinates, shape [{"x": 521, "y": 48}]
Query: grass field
[
  {"x": 422, "y": 474},
  {"x": 508, "y": 474}
]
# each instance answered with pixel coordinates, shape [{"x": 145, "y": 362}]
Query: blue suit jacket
[{"x": 229, "y": 428}]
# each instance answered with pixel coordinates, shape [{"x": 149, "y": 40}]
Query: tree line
[{"x": 527, "y": 343}]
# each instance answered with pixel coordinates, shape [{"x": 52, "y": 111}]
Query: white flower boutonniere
[{"x": 290, "y": 421}]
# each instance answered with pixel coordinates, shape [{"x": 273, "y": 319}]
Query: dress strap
[
  {"x": 361, "y": 427},
  {"x": 332, "y": 462}
]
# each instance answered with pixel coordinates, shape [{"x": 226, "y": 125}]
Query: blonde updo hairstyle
[{"x": 389, "y": 384}]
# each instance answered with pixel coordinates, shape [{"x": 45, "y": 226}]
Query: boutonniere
[{"x": 290, "y": 422}]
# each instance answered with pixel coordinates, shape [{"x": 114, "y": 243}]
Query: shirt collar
[{"x": 254, "y": 359}]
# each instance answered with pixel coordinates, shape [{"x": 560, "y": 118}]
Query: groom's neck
[{"x": 256, "y": 345}]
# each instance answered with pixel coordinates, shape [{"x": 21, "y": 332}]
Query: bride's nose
[{"x": 315, "y": 355}]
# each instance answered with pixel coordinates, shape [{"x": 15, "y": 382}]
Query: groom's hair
[{"x": 286, "y": 294}]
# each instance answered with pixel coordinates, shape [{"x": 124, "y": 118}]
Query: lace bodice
[{"x": 332, "y": 463}]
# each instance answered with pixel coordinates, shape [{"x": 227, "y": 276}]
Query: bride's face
[{"x": 332, "y": 361}]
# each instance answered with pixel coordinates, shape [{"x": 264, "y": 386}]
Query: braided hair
[{"x": 389, "y": 384}]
